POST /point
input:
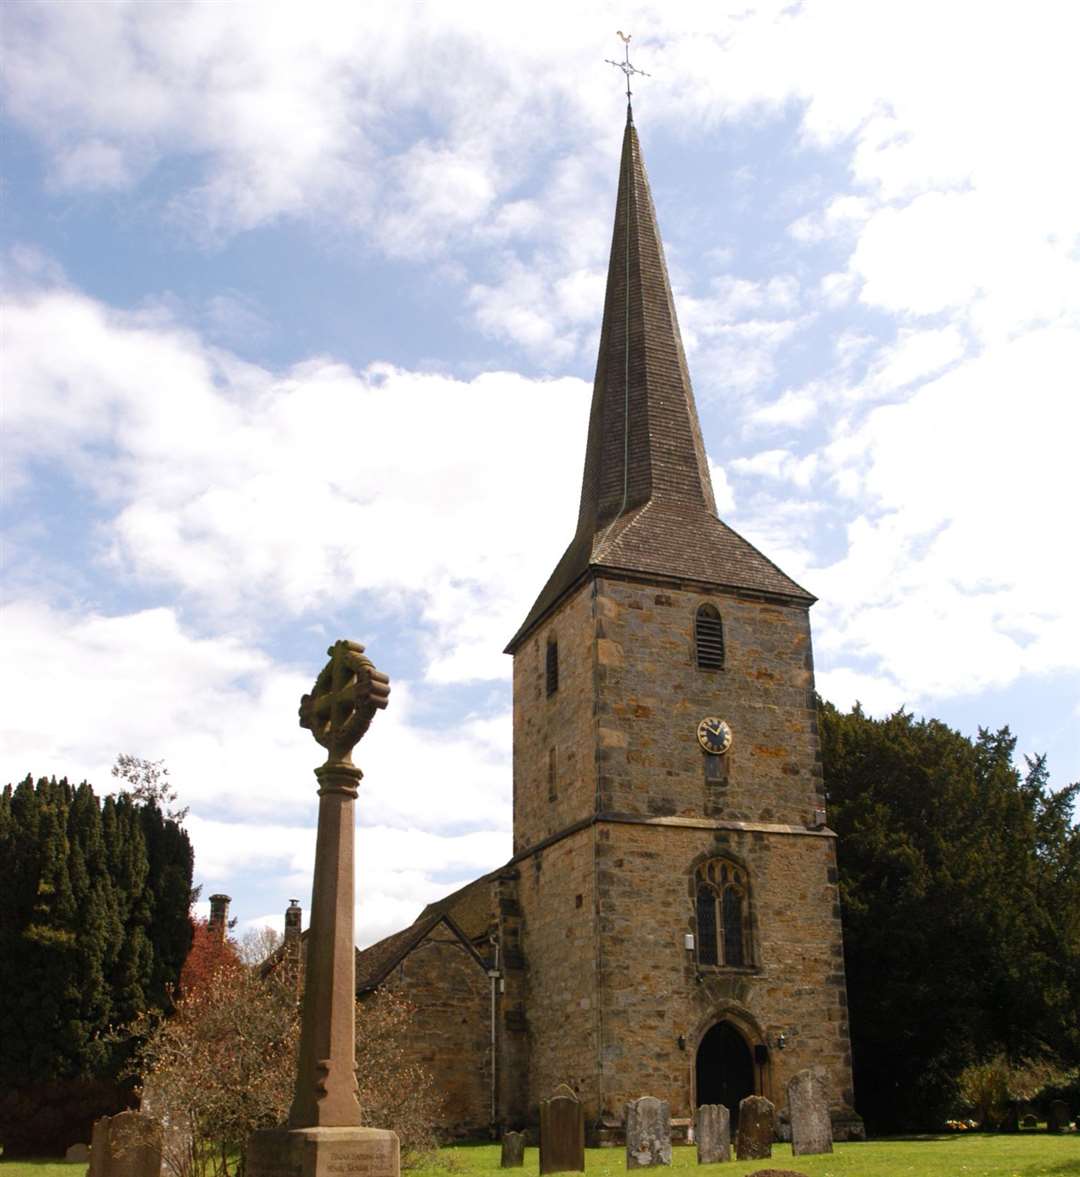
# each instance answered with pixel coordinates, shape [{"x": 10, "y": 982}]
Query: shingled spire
[{"x": 647, "y": 504}]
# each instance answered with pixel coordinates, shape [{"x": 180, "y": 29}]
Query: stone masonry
[{"x": 590, "y": 932}]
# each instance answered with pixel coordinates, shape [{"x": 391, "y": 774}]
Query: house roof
[{"x": 647, "y": 503}]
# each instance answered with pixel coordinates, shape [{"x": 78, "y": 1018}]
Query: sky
[{"x": 301, "y": 307}]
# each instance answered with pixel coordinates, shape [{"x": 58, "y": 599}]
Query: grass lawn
[
  {"x": 1023, "y": 1155},
  {"x": 1028, "y": 1154}
]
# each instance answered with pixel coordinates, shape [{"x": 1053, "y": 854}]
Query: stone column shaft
[{"x": 325, "y": 1094}]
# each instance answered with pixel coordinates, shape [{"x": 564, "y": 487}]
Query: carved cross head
[{"x": 343, "y": 701}]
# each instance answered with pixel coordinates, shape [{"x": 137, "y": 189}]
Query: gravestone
[
  {"x": 713, "y": 1134},
  {"x": 78, "y": 1153},
  {"x": 811, "y": 1126},
  {"x": 648, "y": 1133},
  {"x": 1057, "y": 1116},
  {"x": 754, "y": 1139},
  {"x": 562, "y": 1133},
  {"x": 1029, "y": 1121},
  {"x": 513, "y": 1150},
  {"x": 127, "y": 1145},
  {"x": 777, "y": 1173},
  {"x": 99, "y": 1147}
]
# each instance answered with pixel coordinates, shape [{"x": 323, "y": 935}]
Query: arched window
[
  {"x": 709, "y": 638},
  {"x": 723, "y": 914}
]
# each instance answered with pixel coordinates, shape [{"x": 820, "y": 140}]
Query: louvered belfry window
[
  {"x": 552, "y": 666},
  {"x": 709, "y": 638}
]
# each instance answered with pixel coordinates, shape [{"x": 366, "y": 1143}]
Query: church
[{"x": 669, "y": 923}]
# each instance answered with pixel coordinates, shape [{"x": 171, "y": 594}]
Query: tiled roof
[
  {"x": 647, "y": 502},
  {"x": 375, "y": 962}
]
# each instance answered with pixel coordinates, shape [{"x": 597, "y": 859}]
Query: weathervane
[{"x": 625, "y": 65}]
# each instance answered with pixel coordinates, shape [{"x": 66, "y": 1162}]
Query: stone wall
[
  {"x": 451, "y": 1028},
  {"x": 654, "y": 993},
  {"x": 563, "y": 722},
  {"x": 557, "y": 900},
  {"x": 650, "y": 696},
  {"x": 611, "y": 987}
]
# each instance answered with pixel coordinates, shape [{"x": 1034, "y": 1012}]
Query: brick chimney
[
  {"x": 292, "y": 921},
  {"x": 219, "y": 914}
]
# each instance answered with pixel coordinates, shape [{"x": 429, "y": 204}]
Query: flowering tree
[
  {"x": 210, "y": 953},
  {"x": 224, "y": 1065},
  {"x": 220, "y": 1068}
]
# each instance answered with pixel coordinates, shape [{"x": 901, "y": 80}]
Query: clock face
[{"x": 714, "y": 735}]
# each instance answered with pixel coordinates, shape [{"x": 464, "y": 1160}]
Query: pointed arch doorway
[{"x": 724, "y": 1069}]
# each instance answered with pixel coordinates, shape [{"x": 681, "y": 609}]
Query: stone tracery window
[{"x": 722, "y": 902}]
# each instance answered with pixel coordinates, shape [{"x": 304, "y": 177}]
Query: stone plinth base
[{"x": 323, "y": 1152}]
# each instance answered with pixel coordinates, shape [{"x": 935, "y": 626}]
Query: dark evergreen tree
[
  {"x": 94, "y": 928},
  {"x": 960, "y": 882}
]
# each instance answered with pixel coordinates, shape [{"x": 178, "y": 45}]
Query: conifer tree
[
  {"x": 960, "y": 881},
  {"x": 94, "y": 928}
]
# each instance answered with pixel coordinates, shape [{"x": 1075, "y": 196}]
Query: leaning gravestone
[
  {"x": 78, "y": 1153},
  {"x": 648, "y": 1133},
  {"x": 756, "y": 1124},
  {"x": 127, "y": 1145},
  {"x": 811, "y": 1126},
  {"x": 562, "y": 1133},
  {"x": 713, "y": 1132},
  {"x": 513, "y": 1150},
  {"x": 1057, "y": 1116}
]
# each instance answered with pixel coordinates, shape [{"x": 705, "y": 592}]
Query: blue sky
[{"x": 301, "y": 309}]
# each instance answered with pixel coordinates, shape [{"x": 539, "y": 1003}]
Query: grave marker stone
[
  {"x": 648, "y": 1133},
  {"x": 756, "y": 1125},
  {"x": 811, "y": 1126},
  {"x": 78, "y": 1153},
  {"x": 513, "y": 1150},
  {"x": 713, "y": 1134},
  {"x": 126, "y": 1145},
  {"x": 562, "y": 1133},
  {"x": 1057, "y": 1116}
]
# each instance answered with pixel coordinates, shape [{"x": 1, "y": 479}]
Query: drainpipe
[{"x": 493, "y": 974}]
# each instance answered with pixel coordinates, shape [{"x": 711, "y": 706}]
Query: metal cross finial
[{"x": 625, "y": 65}]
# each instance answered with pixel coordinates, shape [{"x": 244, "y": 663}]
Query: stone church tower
[{"x": 669, "y": 923}]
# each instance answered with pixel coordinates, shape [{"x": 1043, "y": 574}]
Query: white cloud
[
  {"x": 961, "y": 197},
  {"x": 779, "y": 464},
  {"x": 794, "y": 407},
  {"x": 223, "y": 716},
  {"x": 958, "y": 574},
  {"x": 252, "y": 491}
]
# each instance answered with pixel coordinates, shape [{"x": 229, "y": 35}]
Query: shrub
[{"x": 224, "y": 1066}]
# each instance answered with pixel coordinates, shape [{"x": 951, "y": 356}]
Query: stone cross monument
[{"x": 323, "y": 1134}]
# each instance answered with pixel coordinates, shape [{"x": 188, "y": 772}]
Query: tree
[
  {"x": 93, "y": 929},
  {"x": 256, "y": 944},
  {"x": 148, "y": 781},
  {"x": 224, "y": 1066},
  {"x": 960, "y": 883},
  {"x": 210, "y": 953}
]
